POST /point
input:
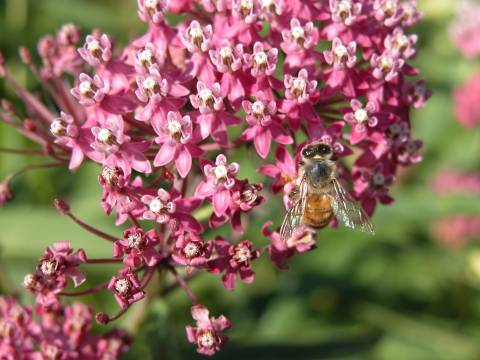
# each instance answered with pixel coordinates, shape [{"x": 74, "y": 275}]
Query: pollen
[
  {"x": 94, "y": 48},
  {"x": 344, "y": 7},
  {"x": 221, "y": 172},
  {"x": 156, "y": 205},
  {"x": 174, "y": 127},
  {"x": 105, "y": 136},
  {"x": 361, "y": 115},
  {"x": 110, "y": 175},
  {"x": 206, "y": 97},
  {"x": 87, "y": 88},
  {"x": 58, "y": 127},
  {"x": 150, "y": 85},
  {"x": 298, "y": 32},
  {"x": 146, "y": 57},
  {"x": 136, "y": 240},
  {"x": 258, "y": 109},
  {"x": 48, "y": 267},
  {"x": 123, "y": 286},
  {"x": 191, "y": 250},
  {"x": 340, "y": 51},
  {"x": 242, "y": 254},
  {"x": 206, "y": 339}
]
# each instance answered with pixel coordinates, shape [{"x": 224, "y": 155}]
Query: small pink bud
[
  {"x": 7, "y": 106},
  {"x": 2, "y": 65},
  {"x": 102, "y": 318},
  {"x": 25, "y": 55},
  {"x": 61, "y": 206},
  {"x": 29, "y": 125},
  {"x": 5, "y": 193}
]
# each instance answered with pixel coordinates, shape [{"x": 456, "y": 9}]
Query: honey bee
[{"x": 319, "y": 197}]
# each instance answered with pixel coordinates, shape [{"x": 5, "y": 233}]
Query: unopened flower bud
[
  {"x": 61, "y": 206},
  {"x": 25, "y": 55},
  {"x": 102, "y": 318}
]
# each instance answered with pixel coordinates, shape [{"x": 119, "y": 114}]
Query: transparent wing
[
  {"x": 294, "y": 216},
  {"x": 348, "y": 211}
]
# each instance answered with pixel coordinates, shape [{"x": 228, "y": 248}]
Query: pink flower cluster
[
  {"x": 465, "y": 32},
  {"x": 162, "y": 116},
  {"x": 60, "y": 334},
  {"x": 454, "y": 181},
  {"x": 456, "y": 231}
]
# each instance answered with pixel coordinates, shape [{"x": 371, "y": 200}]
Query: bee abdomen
[{"x": 318, "y": 211}]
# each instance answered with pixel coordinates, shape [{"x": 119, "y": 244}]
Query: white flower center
[
  {"x": 258, "y": 108},
  {"x": 196, "y": 33},
  {"x": 191, "y": 250},
  {"x": 93, "y": 46},
  {"x": 242, "y": 255},
  {"x": 149, "y": 84},
  {"x": 135, "y": 240},
  {"x": 146, "y": 56},
  {"x": 299, "y": 84},
  {"x": 401, "y": 42},
  {"x": 58, "y": 127},
  {"x": 122, "y": 286},
  {"x": 226, "y": 52},
  {"x": 86, "y": 87},
  {"x": 110, "y": 175},
  {"x": 48, "y": 267},
  {"x": 206, "y": 339},
  {"x": 105, "y": 136},
  {"x": 221, "y": 172},
  {"x": 156, "y": 205},
  {"x": 389, "y": 7},
  {"x": 267, "y": 3},
  {"x": 260, "y": 57},
  {"x": 206, "y": 95},
  {"x": 340, "y": 51},
  {"x": 174, "y": 127},
  {"x": 345, "y": 6},
  {"x": 298, "y": 32},
  {"x": 361, "y": 115},
  {"x": 386, "y": 63},
  {"x": 151, "y": 4}
]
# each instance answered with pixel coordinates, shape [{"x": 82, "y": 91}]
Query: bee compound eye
[
  {"x": 324, "y": 149},
  {"x": 308, "y": 152}
]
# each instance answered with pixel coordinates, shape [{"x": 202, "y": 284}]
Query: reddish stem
[
  {"x": 91, "y": 229},
  {"x": 183, "y": 284},
  {"x": 91, "y": 290}
]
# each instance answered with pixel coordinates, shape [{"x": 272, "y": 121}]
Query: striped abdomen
[{"x": 318, "y": 210}]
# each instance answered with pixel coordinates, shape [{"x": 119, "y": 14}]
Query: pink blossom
[
  {"x": 386, "y": 66},
  {"x": 97, "y": 50},
  {"x": 299, "y": 88},
  {"x": 388, "y": 11},
  {"x": 126, "y": 288},
  {"x": 359, "y": 118},
  {"x": 208, "y": 99},
  {"x": 5, "y": 193},
  {"x": 137, "y": 247},
  {"x": 218, "y": 183},
  {"x": 177, "y": 143},
  {"x": 247, "y": 10},
  {"x": 345, "y": 11},
  {"x": 208, "y": 334},
  {"x": 233, "y": 260},
  {"x": 466, "y": 101},
  {"x": 90, "y": 91},
  {"x": 152, "y": 10},
  {"x": 115, "y": 147},
  {"x": 280, "y": 250},
  {"x": 60, "y": 261},
  {"x": 299, "y": 36},
  {"x": 262, "y": 61},
  {"x": 263, "y": 126},
  {"x": 341, "y": 55},
  {"x": 448, "y": 181},
  {"x": 192, "y": 251},
  {"x": 456, "y": 231},
  {"x": 400, "y": 44},
  {"x": 168, "y": 206},
  {"x": 147, "y": 57},
  {"x": 196, "y": 37}
]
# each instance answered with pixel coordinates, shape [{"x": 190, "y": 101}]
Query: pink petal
[
  {"x": 183, "y": 162},
  {"x": 164, "y": 155},
  {"x": 262, "y": 143},
  {"x": 221, "y": 201}
]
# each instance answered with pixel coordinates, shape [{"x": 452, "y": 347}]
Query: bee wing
[
  {"x": 294, "y": 216},
  {"x": 348, "y": 211}
]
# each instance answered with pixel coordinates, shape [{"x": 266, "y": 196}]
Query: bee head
[{"x": 318, "y": 151}]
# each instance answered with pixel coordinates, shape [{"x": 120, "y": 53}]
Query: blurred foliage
[{"x": 399, "y": 295}]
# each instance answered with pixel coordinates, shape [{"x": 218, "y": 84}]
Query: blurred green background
[{"x": 400, "y": 295}]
